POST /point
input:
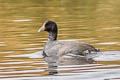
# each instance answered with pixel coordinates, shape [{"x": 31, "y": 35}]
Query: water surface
[{"x": 96, "y": 22}]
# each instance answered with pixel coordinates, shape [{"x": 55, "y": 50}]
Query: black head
[{"x": 49, "y": 26}]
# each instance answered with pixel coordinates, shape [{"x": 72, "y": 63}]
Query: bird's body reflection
[
  {"x": 55, "y": 61},
  {"x": 52, "y": 65}
]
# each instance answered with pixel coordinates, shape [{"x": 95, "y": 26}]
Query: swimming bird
[{"x": 61, "y": 48}]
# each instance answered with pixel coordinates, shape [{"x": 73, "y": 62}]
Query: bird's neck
[{"x": 52, "y": 36}]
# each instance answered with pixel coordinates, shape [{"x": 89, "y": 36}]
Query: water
[{"x": 95, "y": 22}]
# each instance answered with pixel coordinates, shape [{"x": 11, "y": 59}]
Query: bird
[{"x": 54, "y": 47}]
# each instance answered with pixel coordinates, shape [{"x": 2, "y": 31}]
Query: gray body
[{"x": 60, "y": 48}]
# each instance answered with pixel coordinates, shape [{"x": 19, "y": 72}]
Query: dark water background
[{"x": 96, "y": 22}]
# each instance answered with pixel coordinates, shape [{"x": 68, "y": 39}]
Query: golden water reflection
[{"x": 96, "y": 22}]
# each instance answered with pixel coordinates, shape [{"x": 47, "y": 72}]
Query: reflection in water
[
  {"x": 22, "y": 20},
  {"x": 54, "y": 61},
  {"x": 52, "y": 64}
]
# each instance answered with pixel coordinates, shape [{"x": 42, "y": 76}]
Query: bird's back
[{"x": 61, "y": 48}]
